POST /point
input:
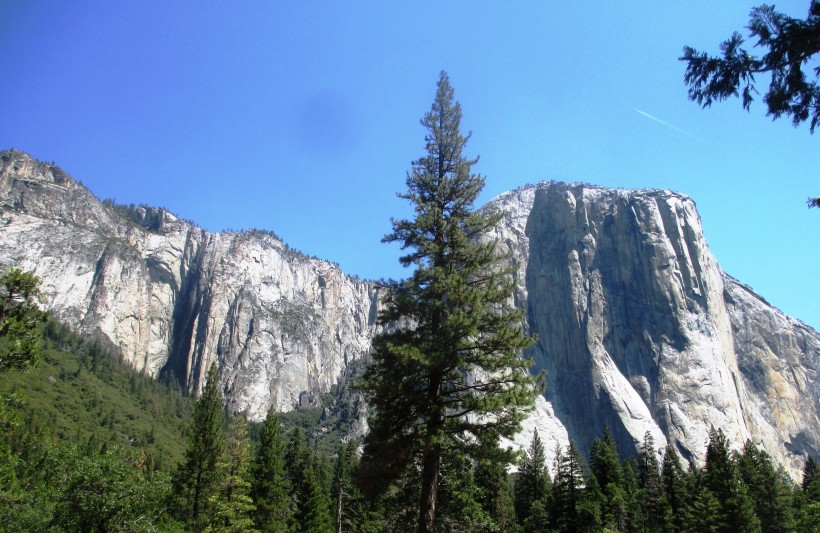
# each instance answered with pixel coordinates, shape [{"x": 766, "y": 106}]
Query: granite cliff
[
  {"x": 637, "y": 325},
  {"x": 172, "y": 297}
]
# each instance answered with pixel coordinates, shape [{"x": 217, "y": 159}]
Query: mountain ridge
[{"x": 638, "y": 326}]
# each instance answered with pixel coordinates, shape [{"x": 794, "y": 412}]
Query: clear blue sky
[{"x": 303, "y": 116}]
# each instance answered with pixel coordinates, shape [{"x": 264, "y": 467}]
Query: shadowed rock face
[{"x": 637, "y": 325}]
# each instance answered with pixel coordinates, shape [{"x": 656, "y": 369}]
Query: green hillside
[{"x": 80, "y": 394}]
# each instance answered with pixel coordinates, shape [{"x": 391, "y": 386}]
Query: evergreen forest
[{"x": 88, "y": 444}]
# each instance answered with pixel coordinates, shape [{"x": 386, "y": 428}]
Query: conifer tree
[
  {"x": 296, "y": 458},
  {"x": 19, "y": 318},
  {"x": 706, "y": 515},
  {"x": 605, "y": 468},
  {"x": 810, "y": 477},
  {"x": 768, "y": 491},
  {"x": 270, "y": 487},
  {"x": 603, "y": 459},
  {"x": 458, "y": 505},
  {"x": 533, "y": 481},
  {"x": 675, "y": 496},
  {"x": 449, "y": 376},
  {"x": 566, "y": 491},
  {"x": 495, "y": 494},
  {"x": 342, "y": 491},
  {"x": 315, "y": 507},
  {"x": 197, "y": 477},
  {"x": 630, "y": 492},
  {"x": 649, "y": 480},
  {"x": 721, "y": 478},
  {"x": 231, "y": 504}
]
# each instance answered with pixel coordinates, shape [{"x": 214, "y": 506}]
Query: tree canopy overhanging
[{"x": 790, "y": 45}]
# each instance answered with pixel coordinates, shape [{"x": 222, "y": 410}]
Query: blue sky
[{"x": 303, "y": 116}]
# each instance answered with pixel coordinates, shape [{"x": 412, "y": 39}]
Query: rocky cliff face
[
  {"x": 637, "y": 325},
  {"x": 173, "y": 298},
  {"x": 639, "y": 328}
]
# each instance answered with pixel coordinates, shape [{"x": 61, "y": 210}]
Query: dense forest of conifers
[{"x": 87, "y": 444}]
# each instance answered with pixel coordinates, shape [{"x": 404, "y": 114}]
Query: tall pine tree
[
  {"x": 567, "y": 489},
  {"x": 197, "y": 477},
  {"x": 231, "y": 505},
  {"x": 270, "y": 487},
  {"x": 605, "y": 469},
  {"x": 769, "y": 492},
  {"x": 651, "y": 487},
  {"x": 675, "y": 495},
  {"x": 533, "y": 482},
  {"x": 495, "y": 494},
  {"x": 720, "y": 477},
  {"x": 450, "y": 375}
]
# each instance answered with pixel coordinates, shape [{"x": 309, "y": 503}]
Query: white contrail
[{"x": 664, "y": 123}]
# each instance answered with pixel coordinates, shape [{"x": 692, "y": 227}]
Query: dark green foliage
[
  {"x": 457, "y": 349},
  {"x": 790, "y": 45},
  {"x": 79, "y": 392},
  {"x": 706, "y": 514},
  {"x": 20, "y": 317},
  {"x": 310, "y": 477},
  {"x": 810, "y": 476},
  {"x": 495, "y": 494},
  {"x": 197, "y": 478},
  {"x": 270, "y": 487},
  {"x": 675, "y": 495},
  {"x": 567, "y": 489},
  {"x": 315, "y": 505},
  {"x": 604, "y": 462},
  {"x": 769, "y": 493},
  {"x": 532, "y": 484},
  {"x": 350, "y": 511},
  {"x": 112, "y": 491},
  {"x": 296, "y": 459},
  {"x": 48, "y": 486},
  {"x": 630, "y": 494},
  {"x": 649, "y": 481},
  {"x": 721, "y": 479},
  {"x": 459, "y": 509},
  {"x": 808, "y": 518},
  {"x": 605, "y": 470}
]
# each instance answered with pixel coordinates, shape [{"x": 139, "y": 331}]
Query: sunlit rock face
[
  {"x": 639, "y": 328},
  {"x": 172, "y": 297},
  {"x": 637, "y": 325}
]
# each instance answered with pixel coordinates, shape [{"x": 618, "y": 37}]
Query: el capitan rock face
[
  {"x": 637, "y": 325},
  {"x": 639, "y": 328}
]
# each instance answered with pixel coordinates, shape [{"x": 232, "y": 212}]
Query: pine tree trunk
[
  {"x": 339, "y": 510},
  {"x": 429, "y": 490}
]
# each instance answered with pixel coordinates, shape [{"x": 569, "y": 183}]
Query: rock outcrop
[{"x": 637, "y": 325}]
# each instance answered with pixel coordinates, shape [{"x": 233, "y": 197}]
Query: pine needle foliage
[
  {"x": 270, "y": 486},
  {"x": 448, "y": 373},
  {"x": 197, "y": 478}
]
